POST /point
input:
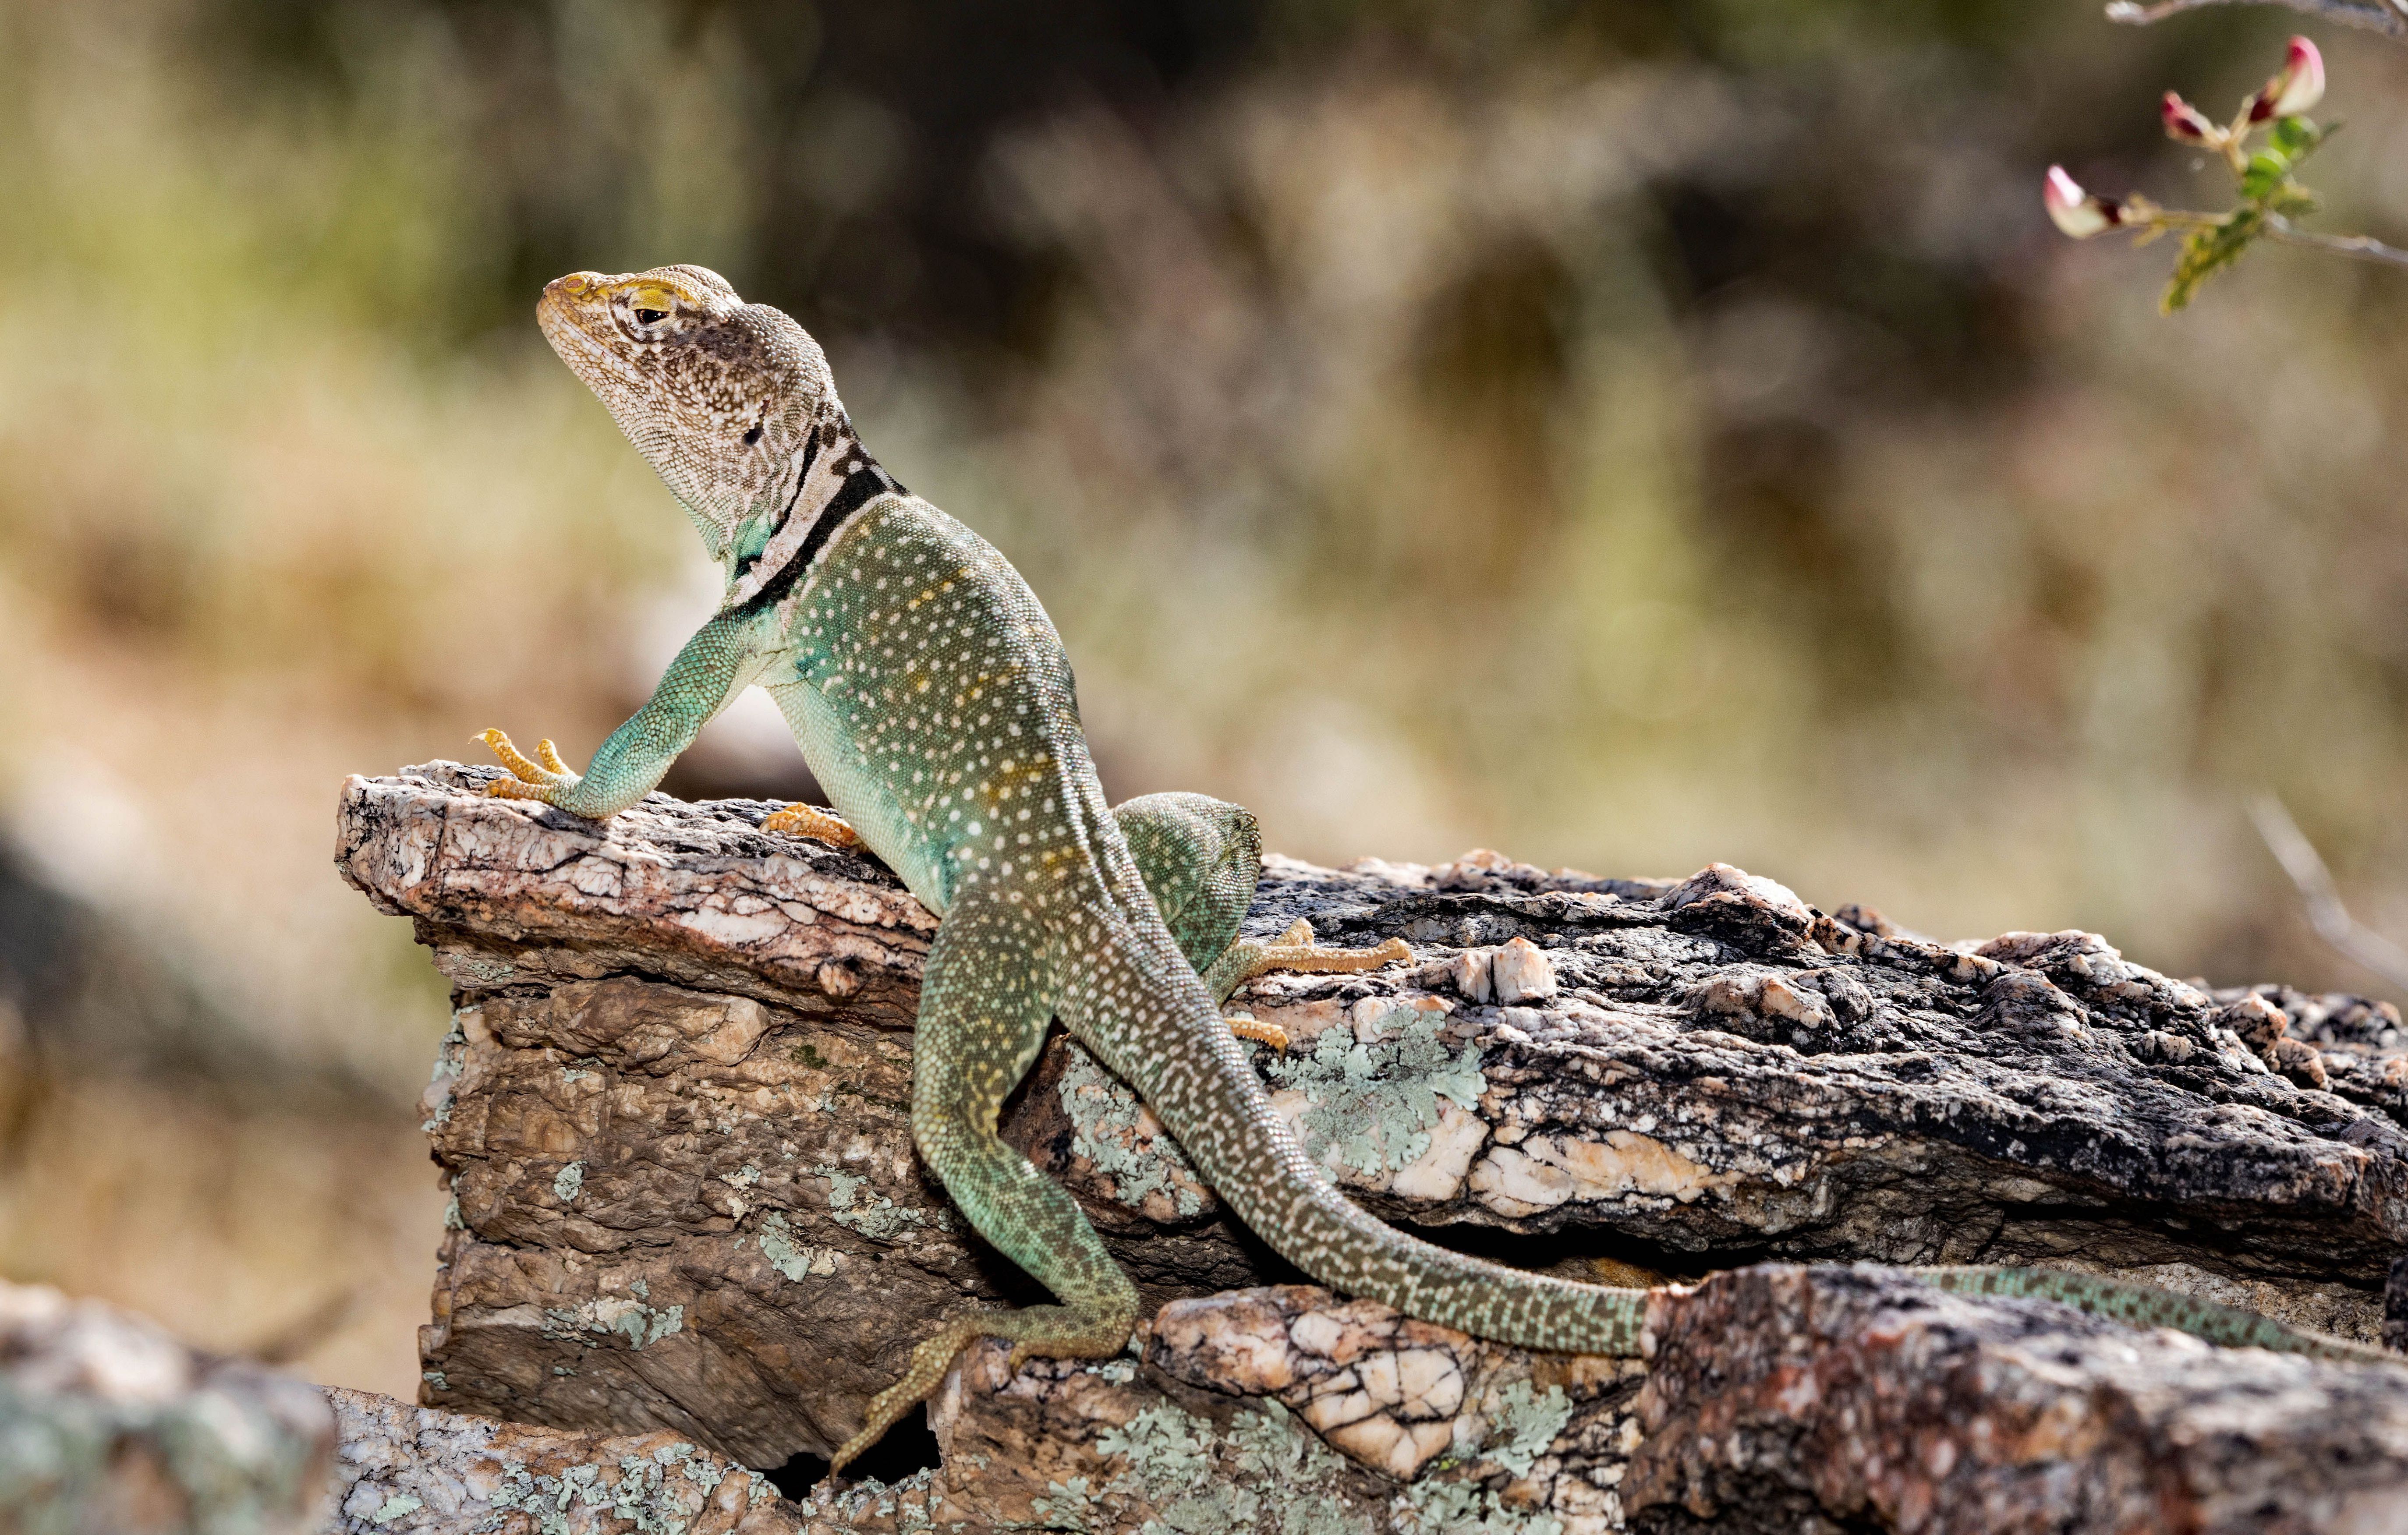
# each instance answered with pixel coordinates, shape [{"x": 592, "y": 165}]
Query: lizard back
[{"x": 937, "y": 705}]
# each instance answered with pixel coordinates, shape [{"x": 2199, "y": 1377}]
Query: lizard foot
[
  {"x": 1060, "y": 1332},
  {"x": 543, "y": 782},
  {"x": 809, "y": 820},
  {"x": 1295, "y": 950},
  {"x": 1258, "y": 1032}
]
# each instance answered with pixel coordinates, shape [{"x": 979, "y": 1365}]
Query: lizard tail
[
  {"x": 1158, "y": 1028},
  {"x": 1139, "y": 1007}
]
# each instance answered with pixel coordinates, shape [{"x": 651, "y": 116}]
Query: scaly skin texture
[{"x": 934, "y": 701}]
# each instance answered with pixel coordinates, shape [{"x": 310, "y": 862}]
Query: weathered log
[
  {"x": 110, "y": 1427},
  {"x": 673, "y": 1112},
  {"x": 401, "y": 1470},
  {"x": 1782, "y": 1399}
]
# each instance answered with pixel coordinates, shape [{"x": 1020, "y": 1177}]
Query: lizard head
[{"x": 722, "y": 397}]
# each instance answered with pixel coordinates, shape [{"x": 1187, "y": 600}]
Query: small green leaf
[
  {"x": 2291, "y": 200},
  {"x": 2266, "y": 173},
  {"x": 2295, "y": 137},
  {"x": 2208, "y": 251}
]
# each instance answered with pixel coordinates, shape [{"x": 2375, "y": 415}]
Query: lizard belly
[{"x": 860, "y": 794}]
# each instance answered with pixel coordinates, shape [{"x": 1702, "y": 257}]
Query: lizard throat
[{"x": 835, "y": 478}]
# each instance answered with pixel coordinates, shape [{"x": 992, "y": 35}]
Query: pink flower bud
[
  {"x": 2186, "y": 122},
  {"x": 2078, "y": 213},
  {"x": 2298, "y": 87}
]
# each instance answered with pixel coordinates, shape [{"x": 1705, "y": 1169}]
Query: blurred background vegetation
[{"x": 1627, "y": 435}]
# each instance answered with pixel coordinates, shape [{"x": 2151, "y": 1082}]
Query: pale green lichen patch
[
  {"x": 899, "y": 1507},
  {"x": 1467, "y": 1508},
  {"x": 1373, "y": 1104},
  {"x": 228, "y": 1458},
  {"x": 1105, "y": 1129},
  {"x": 1198, "y": 1479},
  {"x": 876, "y": 1217},
  {"x": 450, "y": 1059},
  {"x": 794, "y": 1259},
  {"x": 393, "y": 1508},
  {"x": 569, "y": 1183},
  {"x": 1524, "y": 1424},
  {"x": 658, "y": 1494},
  {"x": 642, "y": 1326}
]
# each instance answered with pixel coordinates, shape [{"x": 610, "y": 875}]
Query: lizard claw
[{"x": 540, "y": 781}]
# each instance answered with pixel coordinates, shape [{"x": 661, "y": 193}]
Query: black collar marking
[
  {"x": 859, "y": 489},
  {"x": 802, "y": 477}
]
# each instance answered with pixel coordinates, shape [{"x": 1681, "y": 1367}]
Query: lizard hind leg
[
  {"x": 1048, "y": 1331},
  {"x": 983, "y": 1008}
]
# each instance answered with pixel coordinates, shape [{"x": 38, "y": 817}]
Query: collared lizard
[{"x": 933, "y": 699}]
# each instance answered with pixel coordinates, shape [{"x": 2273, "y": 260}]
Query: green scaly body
[{"x": 934, "y": 701}]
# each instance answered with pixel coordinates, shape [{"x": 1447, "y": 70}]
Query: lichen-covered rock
[
  {"x": 401, "y": 1470},
  {"x": 1277, "y": 1411},
  {"x": 1788, "y": 1399},
  {"x": 673, "y": 1113},
  {"x": 110, "y": 1427},
  {"x": 1405, "y": 1398}
]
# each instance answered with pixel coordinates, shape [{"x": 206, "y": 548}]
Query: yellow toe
[
  {"x": 1261, "y": 1033},
  {"x": 528, "y": 772},
  {"x": 810, "y": 821}
]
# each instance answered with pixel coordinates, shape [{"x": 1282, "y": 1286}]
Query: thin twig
[
  {"x": 2388, "y": 17},
  {"x": 2325, "y": 914},
  {"x": 2363, "y": 247}
]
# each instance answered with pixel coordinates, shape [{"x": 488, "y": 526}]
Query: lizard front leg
[
  {"x": 799, "y": 820},
  {"x": 713, "y": 666}
]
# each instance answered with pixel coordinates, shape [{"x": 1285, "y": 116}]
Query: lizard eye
[
  {"x": 753, "y": 437},
  {"x": 650, "y": 316}
]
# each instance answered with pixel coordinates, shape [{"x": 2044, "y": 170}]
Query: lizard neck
[{"x": 831, "y": 477}]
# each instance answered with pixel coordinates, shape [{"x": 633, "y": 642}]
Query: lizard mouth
[{"x": 582, "y": 337}]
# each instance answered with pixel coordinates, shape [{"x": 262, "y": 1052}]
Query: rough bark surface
[
  {"x": 673, "y": 1118},
  {"x": 1782, "y": 1399},
  {"x": 110, "y": 1427}
]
